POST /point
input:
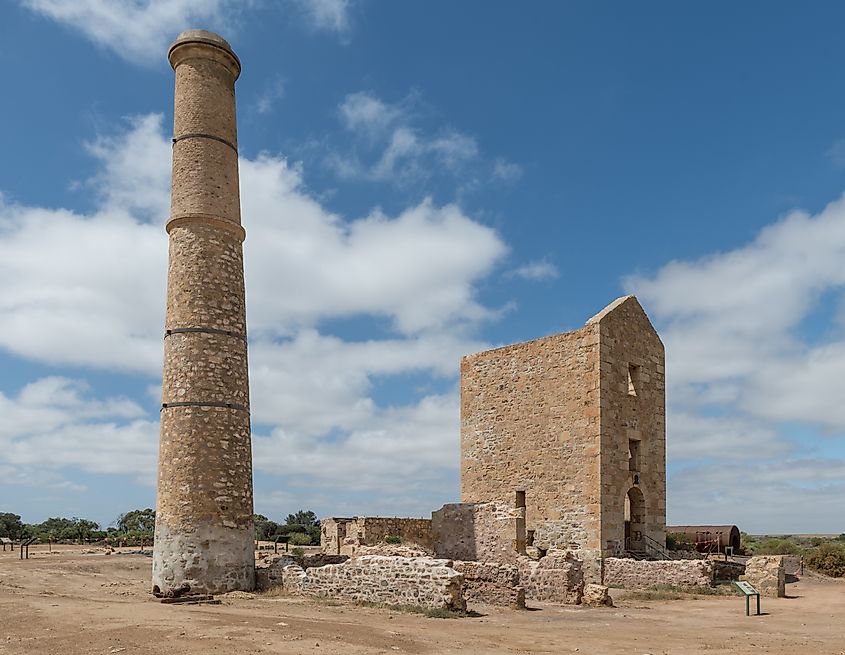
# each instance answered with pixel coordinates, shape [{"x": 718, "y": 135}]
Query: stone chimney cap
[{"x": 204, "y": 37}]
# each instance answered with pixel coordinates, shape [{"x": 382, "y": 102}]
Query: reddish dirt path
[{"x": 70, "y": 603}]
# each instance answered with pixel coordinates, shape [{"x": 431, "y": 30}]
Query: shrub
[
  {"x": 828, "y": 559},
  {"x": 299, "y": 539},
  {"x": 777, "y": 546},
  {"x": 392, "y": 539},
  {"x": 297, "y": 552}
]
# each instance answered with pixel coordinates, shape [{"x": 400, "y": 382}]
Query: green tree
[
  {"x": 138, "y": 520},
  {"x": 308, "y": 519},
  {"x": 265, "y": 529},
  {"x": 11, "y": 525}
]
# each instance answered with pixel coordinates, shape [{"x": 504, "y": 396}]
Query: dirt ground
[{"x": 69, "y": 602}]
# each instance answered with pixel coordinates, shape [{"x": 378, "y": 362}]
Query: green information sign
[{"x": 748, "y": 591}]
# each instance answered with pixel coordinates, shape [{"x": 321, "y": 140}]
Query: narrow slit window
[
  {"x": 633, "y": 379},
  {"x": 633, "y": 455}
]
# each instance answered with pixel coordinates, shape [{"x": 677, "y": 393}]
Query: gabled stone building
[{"x": 572, "y": 427}]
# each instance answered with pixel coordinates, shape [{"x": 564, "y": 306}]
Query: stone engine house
[{"x": 572, "y": 428}]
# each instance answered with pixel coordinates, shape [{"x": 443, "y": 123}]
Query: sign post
[{"x": 748, "y": 591}]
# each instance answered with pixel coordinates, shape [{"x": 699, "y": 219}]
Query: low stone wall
[
  {"x": 557, "y": 578},
  {"x": 271, "y": 572},
  {"x": 767, "y": 574},
  {"x": 638, "y": 574},
  {"x": 421, "y": 581},
  {"x": 479, "y": 532},
  {"x": 491, "y": 583},
  {"x": 343, "y": 536},
  {"x": 727, "y": 571}
]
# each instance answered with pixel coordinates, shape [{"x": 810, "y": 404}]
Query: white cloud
[
  {"x": 364, "y": 112},
  {"x": 53, "y": 423},
  {"x": 789, "y": 496},
  {"x": 836, "y": 153},
  {"x": 506, "y": 171},
  {"x": 88, "y": 290},
  {"x": 138, "y": 30},
  {"x": 394, "y": 149},
  {"x": 271, "y": 95},
  {"x": 753, "y": 363},
  {"x": 328, "y": 15},
  {"x": 539, "y": 270}
]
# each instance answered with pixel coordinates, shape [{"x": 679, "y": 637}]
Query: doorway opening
[{"x": 634, "y": 520}]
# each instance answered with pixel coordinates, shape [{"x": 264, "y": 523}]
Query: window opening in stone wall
[
  {"x": 633, "y": 455},
  {"x": 633, "y": 379},
  {"x": 520, "y": 499}
]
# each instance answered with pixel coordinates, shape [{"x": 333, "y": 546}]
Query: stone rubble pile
[{"x": 558, "y": 577}]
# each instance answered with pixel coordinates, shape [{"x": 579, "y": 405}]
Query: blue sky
[{"x": 422, "y": 180}]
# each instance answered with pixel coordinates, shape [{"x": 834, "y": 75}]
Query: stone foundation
[
  {"x": 767, "y": 574},
  {"x": 557, "y": 578},
  {"x": 637, "y": 574},
  {"x": 491, "y": 583}
]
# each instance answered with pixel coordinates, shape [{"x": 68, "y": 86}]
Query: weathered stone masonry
[
  {"x": 204, "y": 531},
  {"x": 575, "y": 421},
  {"x": 420, "y": 581},
  {"x": 346, "y": 535}
]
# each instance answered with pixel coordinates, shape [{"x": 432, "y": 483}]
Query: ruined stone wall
[
  {"x": 345, "y": 535},
  {"x": 530, "y": 422},
  {"x": 491, "y": 583},
  {"x": 557, "y": 578},
  {"x": 639, "y": 574},
  {"x": 632, "y": 410},
  {"x": 477, "y": 531},
  {"x": 767, "y": 574},
  {"x": 420, "y": 581}
]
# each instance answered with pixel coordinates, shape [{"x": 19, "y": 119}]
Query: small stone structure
[
  {"x": 574, "y": 424},
  {"x": 491, "y": 583},
  {"x": 557, "y": 578},
  {"x": 489, "y": 532},
  {"x": 636, "y": 574},
  {"x": 767, "y": 574},
  {"x": 418, "y": 581},
  {"x": 343, "y": 536},
  {"x": 596, "y": 595},
  {"x": 204, "y": 529}
]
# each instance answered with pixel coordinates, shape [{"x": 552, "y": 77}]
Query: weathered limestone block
[
  {"x": 767, "y": 574},
  {"x": 638, "y": 574},
  {"x": 558, "y": 577},
  {"x": 596, "y": 595},
  {"x": 491, "y": 583}
]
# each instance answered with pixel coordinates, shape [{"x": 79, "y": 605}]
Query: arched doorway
[{"x": 634, "y": 519}]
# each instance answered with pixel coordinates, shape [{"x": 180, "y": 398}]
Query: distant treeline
[{"x": 137, "y": 526}]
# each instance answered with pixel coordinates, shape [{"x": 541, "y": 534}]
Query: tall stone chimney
[{"x": 204, "y": 529}]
